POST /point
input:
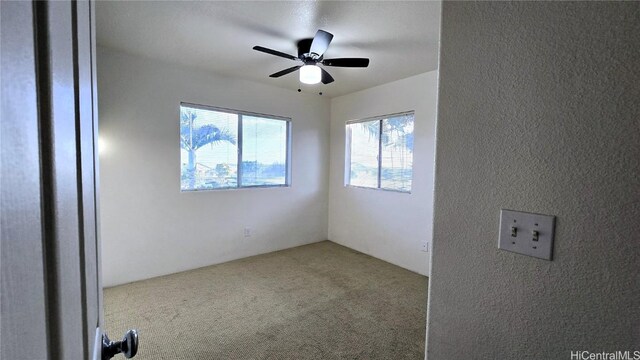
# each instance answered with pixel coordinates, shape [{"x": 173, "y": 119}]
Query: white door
[{"x": 51, "y": 295}]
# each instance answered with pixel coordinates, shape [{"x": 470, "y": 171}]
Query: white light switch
[{"x": 526, "y": 233}]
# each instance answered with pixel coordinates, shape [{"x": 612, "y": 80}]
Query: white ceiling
[{"x": 400, "y": 37}]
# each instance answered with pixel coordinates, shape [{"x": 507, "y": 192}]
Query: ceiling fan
[{"x": 311, "y": 54}]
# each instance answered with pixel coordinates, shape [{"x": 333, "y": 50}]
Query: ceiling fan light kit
[
  {"x": 310, "y": 74},
  {"x": 311, "y": 54}
]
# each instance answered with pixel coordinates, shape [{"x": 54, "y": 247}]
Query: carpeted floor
[{"x": 319, "y": 301}]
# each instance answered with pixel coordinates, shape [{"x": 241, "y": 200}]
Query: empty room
[
  {"x": 312, "y": 199},
  {"x": 320, "y": 180}
]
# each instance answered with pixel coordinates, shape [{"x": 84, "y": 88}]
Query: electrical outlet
[
  {"x": 424, "y": 246},
  {"x": 526, "y": 233},
  {"x": 247, "y": 232}
]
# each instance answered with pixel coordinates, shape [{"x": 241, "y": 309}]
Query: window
[
  {"x": 213, "y": 142},
  {"x": 380, "y": 152}
]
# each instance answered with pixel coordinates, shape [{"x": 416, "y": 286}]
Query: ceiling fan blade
[
  {"x": 285, "y": 71},
  {"x": 274, "y": 52},
  {"x": 346, "y": 62},
  {"x": 320, "y": 42},
  {"x": 326, "y": 77}
]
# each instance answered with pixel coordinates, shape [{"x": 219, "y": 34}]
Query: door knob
[{"x": 128, "y": 346}]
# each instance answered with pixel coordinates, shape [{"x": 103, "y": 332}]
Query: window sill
[
  {"x": 378, "y": 189},
  {"x": 236, "y": 188}
]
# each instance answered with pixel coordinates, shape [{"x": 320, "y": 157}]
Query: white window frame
[
  {"x": 240, "y": 114},
  {"x": 347, "y": 163}
]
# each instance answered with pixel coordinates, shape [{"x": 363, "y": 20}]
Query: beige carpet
[{"x": 319, "y": 301}]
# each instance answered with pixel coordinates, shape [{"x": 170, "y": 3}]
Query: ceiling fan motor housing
[{"x": 304, "y": 46}]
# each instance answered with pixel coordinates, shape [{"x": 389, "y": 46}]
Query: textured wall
[
  {"x": 148, "y": 227},
  {"x": 385, "y": 224},
  {"x": 539, "y": 110}
]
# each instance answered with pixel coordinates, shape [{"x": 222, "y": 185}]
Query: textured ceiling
[{"x": 400, "y": 37}]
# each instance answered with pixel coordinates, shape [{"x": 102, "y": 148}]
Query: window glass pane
[
  {"x": 209, "y": 154},
  {"x": 363, "y": 137},
  {"x": 264, "y": 151},
  {"x": 397, "y": 153}
]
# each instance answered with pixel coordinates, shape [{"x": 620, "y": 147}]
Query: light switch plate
[{"x": 522, "y": 240}]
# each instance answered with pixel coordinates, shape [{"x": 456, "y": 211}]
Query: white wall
[
  {"x": 387, "y": 225},
  {"x": 148, "y": 227},
  {"x": 538, "y": 111}
]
